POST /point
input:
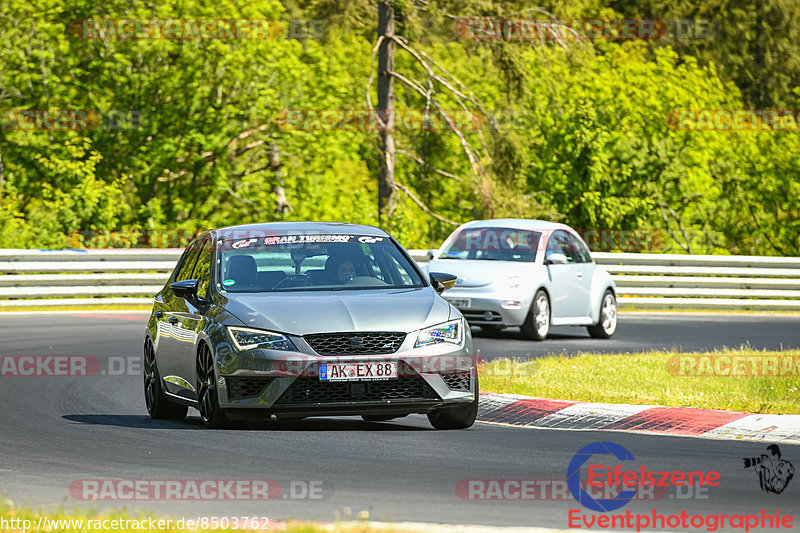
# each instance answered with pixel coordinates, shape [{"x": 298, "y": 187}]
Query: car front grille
[
  {"x": 355, "y": 343},
  {"x": 457, "y": 382},
  {"x": 306, "y": 390},
  {"x": 241, "y": 388}
]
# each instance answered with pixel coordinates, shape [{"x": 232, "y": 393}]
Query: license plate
[
  {"x": 357, "y": 371},
  {"x": 460, "y": 303}
]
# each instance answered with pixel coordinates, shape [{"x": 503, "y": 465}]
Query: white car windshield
[
  {"x": 493, "y": 244},
  {"x": 314, "y": 262}
]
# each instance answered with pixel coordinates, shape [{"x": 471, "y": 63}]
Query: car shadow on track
[
  {"x": 348, "y": 424},
  {"x": 516, "y": 334},
  {"x": 194, "y": 423},
  {"x": 134, "y": 421}
]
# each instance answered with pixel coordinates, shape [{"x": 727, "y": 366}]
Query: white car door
[
  {"x": 568, "y": 293},
  {"x": 582, "y": 259}
]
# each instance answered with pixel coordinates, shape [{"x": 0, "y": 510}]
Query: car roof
[
  {"x": 516, "y": 223},
  {"x": 291, "y": 228}
]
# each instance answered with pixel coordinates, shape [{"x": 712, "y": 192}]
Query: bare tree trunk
[
  {"x": 281, "y": 204},
  {"x": 386, "y": 184},
  {"x": 759, "y": 57},
  {"x": 2, "y": 175}
]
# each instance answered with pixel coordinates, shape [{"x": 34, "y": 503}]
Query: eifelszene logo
[
  {"x": 774, "y": 473},
  {"x": 610, "y": 466},
  {"x": 619, "y": 477}
]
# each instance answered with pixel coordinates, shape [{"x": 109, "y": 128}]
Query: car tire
[
  {"x": 607, "y": 321},
  {"x": 537, "y": 323},
  {"x": 159, "y": 407},
  {"x": 211, "y": 413},
  {"x": 460, "y": 417}
]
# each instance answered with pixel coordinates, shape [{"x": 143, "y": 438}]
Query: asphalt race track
[
  {"x": 57, "y": 431},
  {"x": 644, "y": 331}
]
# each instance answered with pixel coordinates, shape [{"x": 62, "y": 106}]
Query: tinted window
[
  {"x": 188, "y": 262},
  {"x": 202, "y": 268},
  {"x": 493, "y": 244},
  {"x": 314, "y": 262},
  {"x": 579, "y": 249},
  {"x": 562, "y": 242}
]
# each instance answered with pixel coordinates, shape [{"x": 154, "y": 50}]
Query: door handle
[
  {"x": 159, "y": 314},
  {"x": 173, "y": 320},
  {"x": 579, "y": 274}
]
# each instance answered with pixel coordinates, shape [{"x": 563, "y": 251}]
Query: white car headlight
[
  {"x": 450, "y": 332},
  {"x": 249, "y": 338}
]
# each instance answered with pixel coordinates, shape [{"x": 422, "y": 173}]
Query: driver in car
[{"x": 340, "y": 268}]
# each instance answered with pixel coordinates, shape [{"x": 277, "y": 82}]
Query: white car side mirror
[{"x": 555, "y": 258}]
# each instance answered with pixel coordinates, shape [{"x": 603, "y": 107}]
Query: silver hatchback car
[
  {"x": 526, "y": 273},
  {"x": 307, "y": 319}
]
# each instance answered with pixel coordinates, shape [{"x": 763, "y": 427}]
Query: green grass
[{"x": 644, "y": 379}]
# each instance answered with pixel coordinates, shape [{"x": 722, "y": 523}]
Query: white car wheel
[
  {"x": 607, "y": 323},
  {"x": 537, "y": 323}
]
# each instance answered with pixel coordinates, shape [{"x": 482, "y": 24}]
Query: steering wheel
[{"x": 285, "y": 282}]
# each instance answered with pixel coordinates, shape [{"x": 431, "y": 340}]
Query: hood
[
  {"x": 301, "y": 313},
  {"x": 478, "y": 273}
]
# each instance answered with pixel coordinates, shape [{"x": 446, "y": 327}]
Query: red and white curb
[{"x": 529, "y": 412}]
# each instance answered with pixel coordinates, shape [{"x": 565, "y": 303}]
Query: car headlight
[
  {"x": 249, "y": 338},
  {"x": 450, "y": 332}
]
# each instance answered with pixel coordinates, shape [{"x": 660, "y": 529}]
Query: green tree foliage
[
  {"x": 755, "y": 43},
  {"x": 583, "y": 131}
]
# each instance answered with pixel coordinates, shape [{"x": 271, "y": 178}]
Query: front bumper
[
  {"x": 287, "y": 383},
  {"x": 487, "y": 307}
]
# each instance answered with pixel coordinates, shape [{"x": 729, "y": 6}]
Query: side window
[
  {"x": 578, "y": 250},
  {"x": 558, "y": 243},
  {"x": 562, "y": 242},
  {"x": 189, "y": 259},
  {"x": 202, "y": 269}
]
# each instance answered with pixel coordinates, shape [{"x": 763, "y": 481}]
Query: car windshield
[
  {"x": 314, "y": 262},
  {"x": 493, "y": 244}
]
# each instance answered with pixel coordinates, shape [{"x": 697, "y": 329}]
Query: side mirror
[
  {"x": 185, "y": 289},
  {"x": 555, "y": 258},
  {"x": 430, "y": 254},
  {"x": 441, "y": 281}
]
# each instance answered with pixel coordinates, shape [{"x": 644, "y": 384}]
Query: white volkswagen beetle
[{"x": 526, "y": 273}]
